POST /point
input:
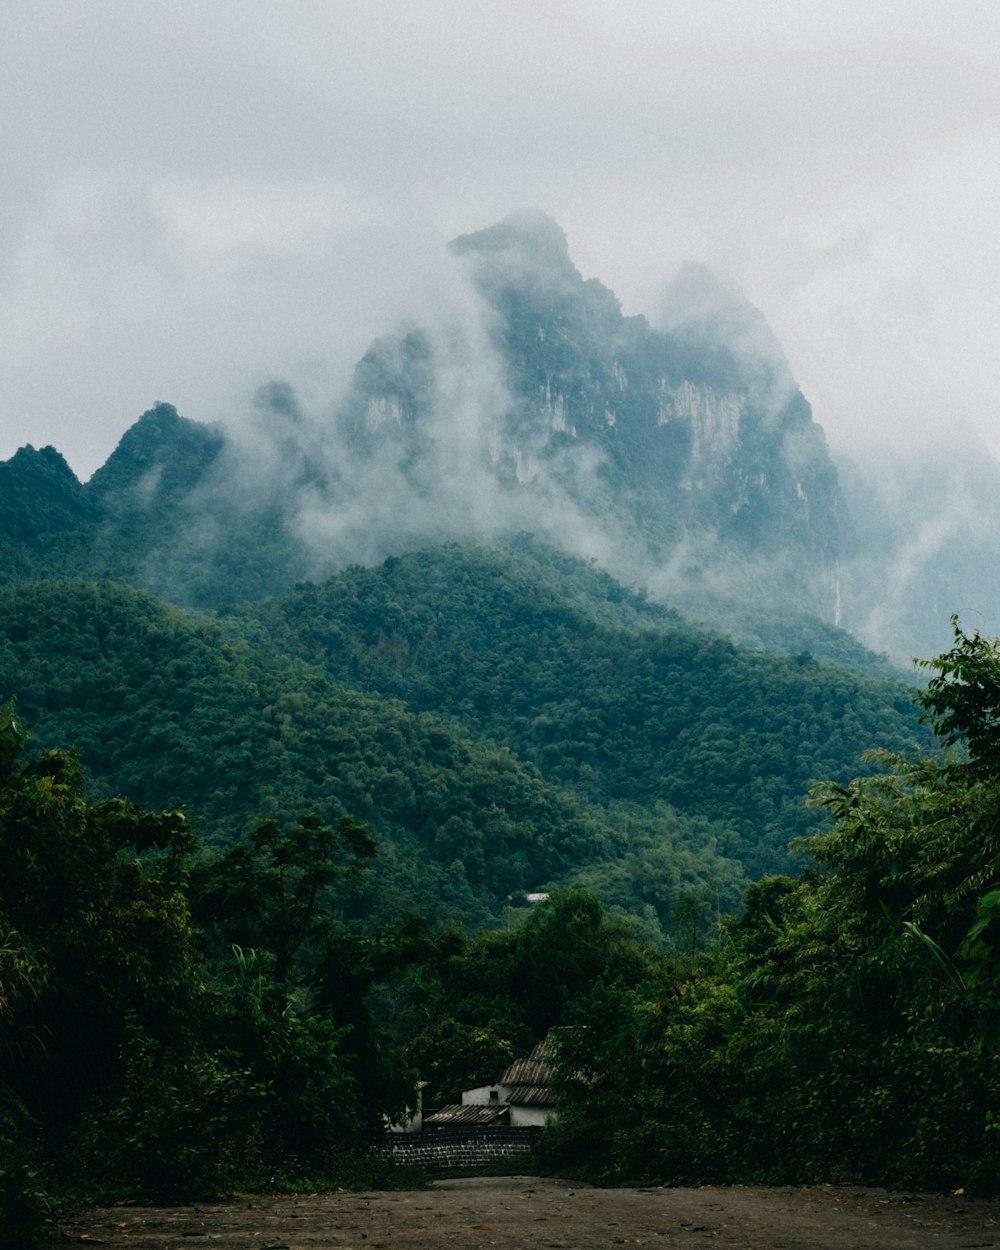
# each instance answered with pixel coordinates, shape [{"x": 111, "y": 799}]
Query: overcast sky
[{"x": 197, "y": 197}]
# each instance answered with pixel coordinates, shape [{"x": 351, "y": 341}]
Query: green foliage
[
  {"x": 136, "y": 1060},
  {"x": 452, "y": 1055},
  {"x": 501, "y": 722},
  {"x": 98, "y": 957},
  {"x": 45, "y": 518},
  {"x": 845, "y": 1028},
  {"x": 274, "y": 891},
  {"x": 173, "y": 1019},
  {"x": 606, "y": 695},
  {"x": 173, "y": 709},
  {"x": 963, "y": 699},
  {"x": 469, "y": 1011}
]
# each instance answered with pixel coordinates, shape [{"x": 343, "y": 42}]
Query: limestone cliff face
[
  {"x": 685, "y": 448},
  {"x": 392, "y": 392},
  {"x": 713, "y": 418},
  {"x": 695, "y": 428}
]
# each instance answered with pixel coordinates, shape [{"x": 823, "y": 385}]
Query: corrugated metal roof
[
  {"x": 468, "y": 1113},
  {"x": 557, "y": 1035},
  {"x": 532, "y": 1096},
  {"x": 527, "y": 1072}
]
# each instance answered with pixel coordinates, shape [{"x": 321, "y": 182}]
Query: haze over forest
[{"x": 680, "y": 456}]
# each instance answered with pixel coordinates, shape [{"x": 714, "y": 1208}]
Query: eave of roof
[
  {"x": 527, "y": 1072},
  {"x": 531, "y": 1096},
  {"x": 468, "y": 1113}
]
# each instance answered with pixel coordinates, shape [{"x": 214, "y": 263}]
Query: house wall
[
  {"x": 481, "y": 1094},
  {"x": 530, "y": 1117}
]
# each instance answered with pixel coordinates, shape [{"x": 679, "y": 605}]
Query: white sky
[{"x": 197, "y": 197}]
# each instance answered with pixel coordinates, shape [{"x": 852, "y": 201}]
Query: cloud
[
  {"x": 928, "y": 532},
  {"x": 408, "y": 452},
  {"x": 199, "y": 197}
]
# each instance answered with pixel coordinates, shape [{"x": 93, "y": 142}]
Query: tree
[
  {"x": 132, "y": 1064},
  {"x": 297, "y": 1017},
  {"x": 97, "y": 964},
  {"x": 845, "y": 1026},
  {"x": 274, "y": 891},
  {"x": 962, "y": 700}
]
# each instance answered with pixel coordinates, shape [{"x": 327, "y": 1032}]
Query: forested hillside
[
  {"x": 210, "y": 1019},
  {"x": 173, "y": 710},
  {"x": 606, "y": 694},
  {"x": 363, "y": 778},
  {"x": 500, "y": 729},
  {"x": 846, "y": 1026}
]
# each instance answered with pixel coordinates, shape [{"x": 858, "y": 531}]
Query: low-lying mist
[{"x": 511, "y": 395}]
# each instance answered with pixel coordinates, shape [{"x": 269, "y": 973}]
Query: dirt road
[{"x": 511, "y": 1213}]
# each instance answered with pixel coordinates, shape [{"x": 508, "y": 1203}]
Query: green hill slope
[
  {"x": 173, "y": 710},
  {"x": 607, "y": 695}
]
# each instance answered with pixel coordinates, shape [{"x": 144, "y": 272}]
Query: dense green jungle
[
  {"x": 501, "y": 726},
  {"x": 265, "y": 867}
]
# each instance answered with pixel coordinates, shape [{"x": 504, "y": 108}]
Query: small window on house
[{"x": 494, "y": 1095}]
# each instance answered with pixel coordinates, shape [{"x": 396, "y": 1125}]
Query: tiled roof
[
  {"x": 532, "y": 1096},
  {"x": 468, "y": 1113},
  {"x": 527, "y": 1072},
  {"x": 556, "y": 1036}
]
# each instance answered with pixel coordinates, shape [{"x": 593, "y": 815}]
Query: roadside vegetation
[{"x": 180, "y": 1020}]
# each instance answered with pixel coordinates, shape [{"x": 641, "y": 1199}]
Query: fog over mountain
[
  {"x": 927, "y": 534},
  {"x": 679, "y": 454},
  {"x": 199, "y": 198},
  {"x": 202, "y": 200}
]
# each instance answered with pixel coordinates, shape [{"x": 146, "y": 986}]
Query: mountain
[
  {"x": 450, "y": 603},
  {"x": 441, "y": 623},
  {"x": 679, "y": 454},
  {"x": 170, "y": 511},
  {"x": 700, "y": 427},
  {"x": 670, "y": 453},
  {"x": 682, "y": 458}
]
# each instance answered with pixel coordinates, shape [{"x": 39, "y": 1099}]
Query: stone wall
[{"x": 460, "y": 1147}]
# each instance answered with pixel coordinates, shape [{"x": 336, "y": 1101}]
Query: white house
[{"x": 524, "y": 1088}]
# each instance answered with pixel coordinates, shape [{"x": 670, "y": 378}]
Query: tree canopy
[
  {"x": 148, "y": 1049},
  {"x": 845, "y": 1027}
]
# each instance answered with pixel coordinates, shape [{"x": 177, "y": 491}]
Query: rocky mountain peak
[
  {"x": 162, "y": 451},
  {"x": 528, "y": 231},
  {"x": 688, "y": 433},
  {"x": 702, "y": 306},
  {"x": 525, "y": 248}
]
